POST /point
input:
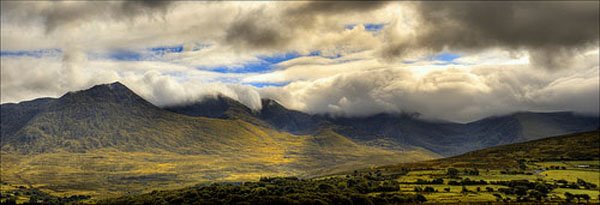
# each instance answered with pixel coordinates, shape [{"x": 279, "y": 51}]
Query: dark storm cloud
[
  {"x": 59, "y": 14},
  {"x": 253, "y": 32},
  {"x": 551, "y": 31},
  {"x": 334, "y": 7},
  {"x": 305, "y": 14},
  {"x": 259, "y": 31}
]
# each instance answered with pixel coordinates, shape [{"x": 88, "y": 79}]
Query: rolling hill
[{"x": 584, "y": 146}]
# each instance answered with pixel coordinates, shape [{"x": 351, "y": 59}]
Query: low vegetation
[{"x": 367, "y": 188}]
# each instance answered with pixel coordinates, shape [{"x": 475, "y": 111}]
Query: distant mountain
[
  {"x": 218, "y": 106},
  {"x": 272, "y": 114},
  {"x": 447, "y": 138},
  {"x": 398, "y": 131},
  {"x": 288, "y": 120}
]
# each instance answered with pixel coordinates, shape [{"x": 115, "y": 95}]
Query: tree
[
  {"x": 452, "y": 172},
  {"x": 569, "y": 197},
  {"x": 464, "y": 190},
  {"x": 586, "y": 198},
  {"x": 420, "y": 198},
  {"x": 429, "y": 189},
  {"x": 10, "y": 200},
  {"x": 498, "y": 196}
]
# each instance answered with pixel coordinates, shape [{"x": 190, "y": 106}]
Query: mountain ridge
[{"x": 391, "y": 130}]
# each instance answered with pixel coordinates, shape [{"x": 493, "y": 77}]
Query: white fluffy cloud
[
  {"x": 451, "y": 92},
  {"x": 358, "y": 70}
]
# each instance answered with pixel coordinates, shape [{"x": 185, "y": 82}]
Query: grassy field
[
  {"x": 455, "y": 195},
  {"x": 572, "y": 175},
  {"x": 108, "y": 172}
]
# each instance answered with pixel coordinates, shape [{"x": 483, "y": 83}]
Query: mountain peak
[
  {"x": 111, "y": 87},
  {"x": 217, "y": 106},
  {"x": 112, "y": 92},
  {"x": 270, "y": 103}
]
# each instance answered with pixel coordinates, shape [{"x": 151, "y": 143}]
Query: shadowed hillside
[{"x": 573, "y": 147}]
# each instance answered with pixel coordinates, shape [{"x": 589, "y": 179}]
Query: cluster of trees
[
  {"x": 514, "y": 172},
  {"x": 467, "y": 181},
  {"x": 433, "y": 181},
  {"x": 525, "y": 190},
  {"x": 576, "y": 185},
  {"x": 586, "y": 185},
  {"x": 453, "y": 172},
  {"x": 38, "y": 197},
  {"x": 569, "y": 197},
  {"x": 427, "y": 189},
  {"x": 557, "y": 167},
  {"x": 368, "y": 188},
  {"x": 473, "y": 172}
]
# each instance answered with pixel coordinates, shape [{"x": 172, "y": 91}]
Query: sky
[{"x": 456, "y": 61}]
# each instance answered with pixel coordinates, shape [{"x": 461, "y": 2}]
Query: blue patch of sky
[
  {"x": 126, "y": 55},
  {"x": 141, "y": 55},
  {"x": 253, "y": 67},
  {"x": 152, "y": 53},
  {"x": 267, "y": 84},
  {"x": 278, "y": 58},
  {"x": 372, "y": 27},
  {"x": 51, "y": 52},
  {"x": 167, "y": 49},
  {"x": 442, "y": 58},
  {"x": 446, "y": 57},
  {"x": 265, "y": 63}
]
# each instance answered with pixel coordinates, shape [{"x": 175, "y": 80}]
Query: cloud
[
  {"x": 60, "y": 14},
  {"x": 165, "y": 90},
  {"x": 452, "y": 92},
  {"x": 495, "y": 48},
  {"x": 545, "y": 29},
  {"x": 306, "y": 14},
  {"x": 253, "y": 31}
]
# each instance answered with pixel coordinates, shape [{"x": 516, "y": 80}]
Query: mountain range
[
  {"x": 112, "y": 115},
  {"x": 107, "y": 139},
  {"x": 395, "y": 130}
]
